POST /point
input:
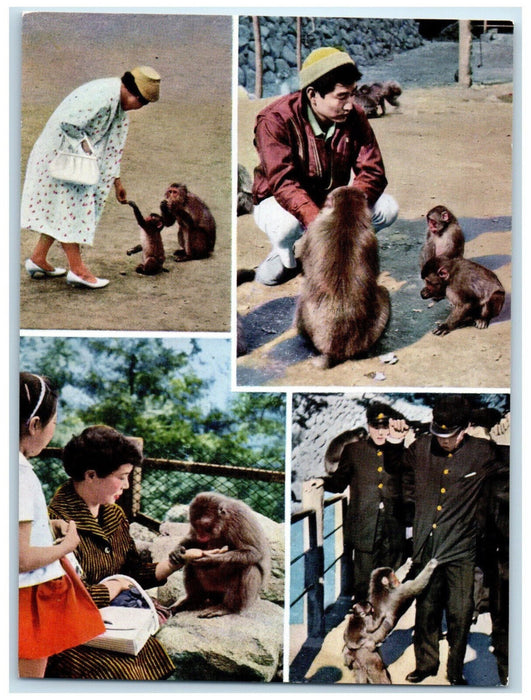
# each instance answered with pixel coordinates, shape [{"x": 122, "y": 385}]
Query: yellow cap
[
  {"x": 320, "y": 62},
  {"x": 147, "y": 81}
]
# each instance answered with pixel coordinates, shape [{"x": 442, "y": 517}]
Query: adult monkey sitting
[{"x": 309, "y": 143}]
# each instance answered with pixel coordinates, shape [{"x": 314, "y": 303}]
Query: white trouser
[{"x": 283, "y": 229}]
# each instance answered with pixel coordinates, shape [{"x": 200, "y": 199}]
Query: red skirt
[{"x": 56, "y": 615}]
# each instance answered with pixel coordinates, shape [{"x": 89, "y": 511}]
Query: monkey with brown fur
[
  {"x": 373, "y": 96},
  {"x": 390, "y": 597},
  {"x": 341, "y": 308},
  {"x": 197, "y": 227},
  {"x": 150, "y": 242},
  {"x": 475, "y": 292},
  {"x": 359, "y": 653},
  {"x": 444, "y": 237},
  {"x": 228, "y": 581}
]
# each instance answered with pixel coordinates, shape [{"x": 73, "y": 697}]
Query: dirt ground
[
  {"x": 444, "y": 145},
  {"x": 185, "y": 137}
]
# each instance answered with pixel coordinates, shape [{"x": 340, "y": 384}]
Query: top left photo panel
[{"x": 125, "y": 172}]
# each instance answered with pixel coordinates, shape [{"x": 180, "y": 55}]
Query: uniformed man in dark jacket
[
  {"x": 374, "y": 528},
  {"x": 444, "y": 475}
]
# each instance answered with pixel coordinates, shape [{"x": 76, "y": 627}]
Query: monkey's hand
[
  {"x": 209, "y": 556},
  {"x": 213, "y": 552},
  {"x": 167, "y": 216},
  {"x": 443, "y": 329},
  {"x": 177, "y": 557},
  {"x": 432, "y": 564}
]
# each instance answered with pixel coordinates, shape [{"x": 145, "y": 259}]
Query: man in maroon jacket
[{"x": 309, "y": 143}]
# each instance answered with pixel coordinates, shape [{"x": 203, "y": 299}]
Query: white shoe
[
  {"x": 36, "y": 271},
  {"x": 72, "y": 278}
]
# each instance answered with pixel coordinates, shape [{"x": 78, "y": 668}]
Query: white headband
[{"x": 41, "y": 397}]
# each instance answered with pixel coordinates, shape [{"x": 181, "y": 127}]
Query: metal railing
[{"x": 150, "y": 488}]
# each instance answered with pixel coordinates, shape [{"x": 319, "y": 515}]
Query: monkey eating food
[
  {"x": 197, "y": 227},
  {"x": 475, "y": 292},
  {"x": 150, "y": 242},
  {"x": 444, "y": 237},
  {"x": 227, "y": 580},
  {"x": 342, "y": 308}
]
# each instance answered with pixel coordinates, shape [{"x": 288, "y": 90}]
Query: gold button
[
  {"x": 380, "y": 486},
  {"x": 439, "y": 507},
  {"x": 380, "y": 469},
  {"x": 443, "y": 490},
  {"x": 379, "y": 453},
  {"x": 446, "y": 471},
  {"x": 434, "y": 526},
  {"x": 450, "y": 455}
]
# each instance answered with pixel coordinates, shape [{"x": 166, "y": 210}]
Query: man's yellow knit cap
[{"x": 322, "y": 61}]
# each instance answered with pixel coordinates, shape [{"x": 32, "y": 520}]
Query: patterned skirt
[{"x": 151, "y": 664}]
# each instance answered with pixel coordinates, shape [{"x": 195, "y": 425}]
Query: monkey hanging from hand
[
  {"x": 150, "y": 242},
  {"x": 227, "y": 581},
  {"x": 197, "y": 227},
  {"x": 444, "y": 237},
  {"x": 341, "y": 308},
  {"x": 475, "y": 292}
]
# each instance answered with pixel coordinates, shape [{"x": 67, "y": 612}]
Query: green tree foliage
[{"x": 169, "y": 394}]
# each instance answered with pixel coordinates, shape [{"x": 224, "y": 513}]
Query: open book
[{"x": 127, "y": 629}]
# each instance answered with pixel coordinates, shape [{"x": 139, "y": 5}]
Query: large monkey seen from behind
[
  {"x": 475, "y": 292},
  {"x": 197, "y": 227},
  {"x": 342, "y": 308},
  {"x": 227, "y": 581},
  {"x": 444, "y": 236}
]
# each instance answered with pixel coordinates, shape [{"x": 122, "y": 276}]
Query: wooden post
[
  {"x": 465, "y": 50},
  {"x": 298, "y": 45},
  {"x": 257, "y": 58}
]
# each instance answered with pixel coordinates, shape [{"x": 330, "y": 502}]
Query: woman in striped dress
[{"x": 99, "y": 462}]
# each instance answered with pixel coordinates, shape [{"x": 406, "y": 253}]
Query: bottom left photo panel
[{"x": 151, "y": 513}]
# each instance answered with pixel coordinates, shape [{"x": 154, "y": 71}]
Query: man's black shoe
[
  {"x": 417, "y": 675},
  {"x": 458, "y": 681}
]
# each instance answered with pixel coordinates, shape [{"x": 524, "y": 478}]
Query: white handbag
[
  {"x": 78, "y": 167},
  {"x": 127, "y": 629}
]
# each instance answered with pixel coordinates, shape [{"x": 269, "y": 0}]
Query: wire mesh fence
[{"x": 160, "y": 484}]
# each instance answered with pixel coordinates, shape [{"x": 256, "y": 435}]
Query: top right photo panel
[{"x": 375, "y": 214}]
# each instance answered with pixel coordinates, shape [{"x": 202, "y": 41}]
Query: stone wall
[
  {"x": 366, "y": 41},
  {"x": 319, "y": 418}
]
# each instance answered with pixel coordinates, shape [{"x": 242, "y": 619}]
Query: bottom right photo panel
[{"x": 399, "y": 564}]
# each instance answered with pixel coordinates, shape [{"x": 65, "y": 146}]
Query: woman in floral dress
[{"x": 94, "y": 116}]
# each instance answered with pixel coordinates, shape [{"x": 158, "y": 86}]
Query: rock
[{"x": 243, "y": 647}]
